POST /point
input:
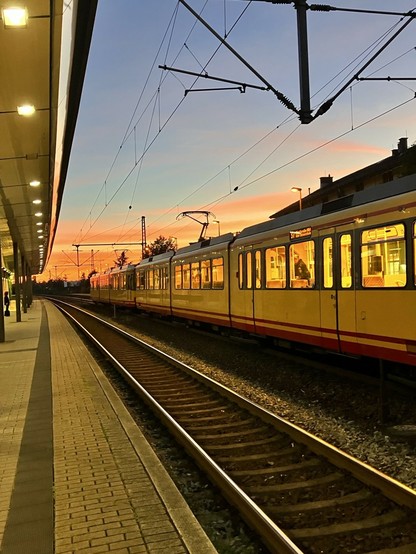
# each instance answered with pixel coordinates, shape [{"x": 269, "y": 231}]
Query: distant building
[{"x": 402, "y": 162}]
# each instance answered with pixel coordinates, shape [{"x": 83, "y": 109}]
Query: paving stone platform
[{"x": 76, "y": 474}]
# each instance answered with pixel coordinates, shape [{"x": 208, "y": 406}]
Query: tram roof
[
  {"x": 366, "y": 196},
  {"x": 42, "y": 64}
]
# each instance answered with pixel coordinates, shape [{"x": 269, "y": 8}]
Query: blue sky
[{"x": 201, "y": 146}]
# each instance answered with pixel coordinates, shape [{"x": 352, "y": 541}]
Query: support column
[
  {"x": 30, "y": 287},
  {"x": 17, "y": 281},
  {"x": 24, "y": 285}
]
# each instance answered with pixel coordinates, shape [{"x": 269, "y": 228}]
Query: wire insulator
[{"x": 321, "y": 8}]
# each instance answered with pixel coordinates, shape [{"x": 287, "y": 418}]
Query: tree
[
  {"x": 160, "y": 245},
  {"x": 121, "y": 260}
]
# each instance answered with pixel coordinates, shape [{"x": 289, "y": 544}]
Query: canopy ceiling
[{"x": 42, "y": 64}]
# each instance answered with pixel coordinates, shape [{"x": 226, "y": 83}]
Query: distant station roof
[
  {"x": 401, "y": 163},
  {"x": 43, "y": 60}
]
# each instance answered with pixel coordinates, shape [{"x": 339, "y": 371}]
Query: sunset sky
[{"x": 143, "y": 147}]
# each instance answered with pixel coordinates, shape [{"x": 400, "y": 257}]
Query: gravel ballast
[{"x": 342, "y": 412}]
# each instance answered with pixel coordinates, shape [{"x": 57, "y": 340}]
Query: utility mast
[{"x": 144, "y": 241}]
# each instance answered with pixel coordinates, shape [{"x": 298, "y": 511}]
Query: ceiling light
[
  {"x": 37, "y": 201},
  {"x": 40, "y": 237},
  {"x": 26, "y": 109},
  {"x": 39, "y": 231},
  {"x": 34, "y": 183},
  {"x": 14, "y": 17},
  {"x": 38, "y": 214}
]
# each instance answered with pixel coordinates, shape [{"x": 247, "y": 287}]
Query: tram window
[
  {"x": 218, "y": 273},
  {"x": 196, "y": 276},
  {"x": 257, "y": 261},
  {"x": 186, "y": 276},
  {"x": 206, "y": 274},
  {"x": 327, "y": 266},
  {"x": 275, "y": 263},
  {"x": 346, "y": 261},
  {"x": 178, "y": 277},
  {"x": 249, "y": 270},
  {"x": 150, "y": 279},
  {"x": 383, "y": 257},
  {"x": 156, "y": 279},
  {"x": 140, "y": 280},
  {"x": 302, "y": 264},
  {"x": 164, "y": 278},
  {"x": 240, "y": 271}
]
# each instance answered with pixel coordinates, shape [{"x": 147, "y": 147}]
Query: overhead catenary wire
[
  {"x": 146, "y": 149},
  {"x": 129, "y": 130}
]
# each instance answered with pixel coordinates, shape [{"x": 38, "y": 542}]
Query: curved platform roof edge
[{"x": 42, "y": 67}]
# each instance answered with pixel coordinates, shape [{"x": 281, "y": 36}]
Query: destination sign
[{"x": 300, "y": 233}]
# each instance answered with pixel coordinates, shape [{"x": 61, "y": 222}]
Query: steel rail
[{"x": 274, "y": 537}]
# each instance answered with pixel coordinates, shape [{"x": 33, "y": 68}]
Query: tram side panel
[
  {"x": 200, "y": 290},
  {"x": 386, "y": 295},
  {"x": 122, "y": 286},
  {"x": 153, "y": 282},
  {"x": 100, "y": 290},
  {"x": 275, "y": 293}
]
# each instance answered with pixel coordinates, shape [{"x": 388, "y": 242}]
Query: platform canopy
[{"x": 43, "y": 60}]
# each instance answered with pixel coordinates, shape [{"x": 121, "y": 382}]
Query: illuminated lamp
[
  {"x": 299, "y": 190},
  {"x": 26, "y": 109},
  {"x": 14, "y": 17}
]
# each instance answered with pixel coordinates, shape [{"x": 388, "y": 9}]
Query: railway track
[{"x": 300, "y": 494}]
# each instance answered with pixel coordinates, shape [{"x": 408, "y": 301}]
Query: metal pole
[
  {"x": 305, "y": 101},
  {"x": 24, "y": 285},
  {"x": 78, "y": 260},
  {"x": 17, "y": 281},
  {"x": 30, "y": 287}
]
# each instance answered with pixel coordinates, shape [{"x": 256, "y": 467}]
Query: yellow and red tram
[{"x": 339, "y": 276}]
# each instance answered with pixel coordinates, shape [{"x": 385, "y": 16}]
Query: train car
[
  {"x": 100, "y": 287},
  {"x": 123, "y": 286},
  {"x": 153, "y": 278},
  {"x": 338, "y": 276},
  {"x": 200, "y": 281},
  {"x": 115, "y": 286}
]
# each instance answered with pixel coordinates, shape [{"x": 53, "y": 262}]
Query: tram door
[
  {"x": 328, "y": 292},
  {"x": 337, "y": 297},
  {"x": 346, "y": 293},
  {"x": 247, "y": 284}
]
